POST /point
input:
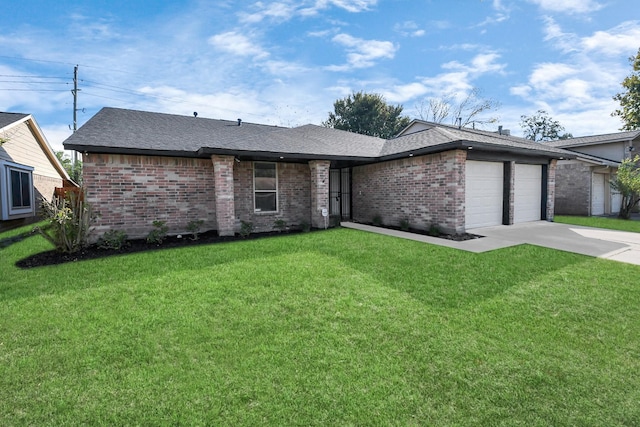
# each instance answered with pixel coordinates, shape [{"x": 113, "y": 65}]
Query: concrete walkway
[{"x": 597, "y": 242}]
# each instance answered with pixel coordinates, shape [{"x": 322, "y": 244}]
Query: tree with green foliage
[
  {"x": 541, "y": 127},
  {"x": 74, "y": 171},
  {"x": 630, "y": 99},
  {"x": 627, "y": 183},
  {"x": 367, "y": 114}
]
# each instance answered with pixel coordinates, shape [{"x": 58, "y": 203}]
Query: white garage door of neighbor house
[
  {"x": 483, "y": 194},
  {"x": 597, "y": 194},
  {"x": 527, "y": 201}
]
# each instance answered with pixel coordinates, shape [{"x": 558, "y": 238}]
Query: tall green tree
[
  {"x": 74, "y": 170},
  {"x": 627, "y": 183},
  {"x": 629, "y": 99},
  {"x": 541, "y": 127},
  {"x": 367, "y": 114}
]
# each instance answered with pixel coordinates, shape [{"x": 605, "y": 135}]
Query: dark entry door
[{"x": 340, "y": 193}]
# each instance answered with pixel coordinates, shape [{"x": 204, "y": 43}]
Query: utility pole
[{"x": 75, "y": 114}]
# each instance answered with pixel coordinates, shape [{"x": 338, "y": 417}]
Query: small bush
[
  {"x": 69, "y": 222},
  {"x": 246, "y": 228},
  {"x": 280, "y": 225},
  {"x": 305, "y": 226},
  {"x": 404, "y": 225},
  {"x": 113, "y": 239},
  {"x": 159, "y": 233},
  {"x": 377, "y": 220},
  {"x": 194, "y": 228},
  {"x": 434, "y": 231}
]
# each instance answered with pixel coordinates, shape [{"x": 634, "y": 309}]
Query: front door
[{"x": 340, "y": 193}]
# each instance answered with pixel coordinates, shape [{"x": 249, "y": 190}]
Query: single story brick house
[
  {"x": 140, "y": 166},
  {"x": 29, "y": 169},
  {"x": 583, "y": 183}
]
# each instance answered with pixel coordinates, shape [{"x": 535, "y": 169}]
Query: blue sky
[{"x": 286, "y": 62}]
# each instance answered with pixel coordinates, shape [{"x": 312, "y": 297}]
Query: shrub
[
  {"x": 377, "y": 220},
  {"x": 194, "y": 228},
  {"x": 434, "y": 231},
  {"x": 246, "y": 227},
  {"x": 159, "y": 233},
  {"x": 113, "y": 239},
  {"x": 280, "y": 225},
  {"x": 69, "y": 222},
  {"x": 404, "y": 225},
  {"x": 305, "y": 226}
]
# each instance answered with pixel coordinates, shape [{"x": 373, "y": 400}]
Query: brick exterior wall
[
  {"x": 224, "y": 196},
  {"x": 424, "y": 190},
  {"x": 130, "y": 192},
  {"x": 294, "y": 196},
  {"x": 572, "y": 188},
  {"x": 319, "y": 171}
]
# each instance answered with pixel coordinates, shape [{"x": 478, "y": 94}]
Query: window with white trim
[
  {"x": 16, "y": 187},
  {"x": 265, "y": 187}
]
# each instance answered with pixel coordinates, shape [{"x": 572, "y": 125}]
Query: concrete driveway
[{"x": 597, "y": 242}]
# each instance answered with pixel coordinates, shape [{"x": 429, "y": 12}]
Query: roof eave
[{"x": 518, "y": 150}]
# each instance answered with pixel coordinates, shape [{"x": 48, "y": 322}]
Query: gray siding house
[{"x": 583, "y": 184}]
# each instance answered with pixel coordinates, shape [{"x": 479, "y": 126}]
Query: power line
[{"x": 33, "y": 90}]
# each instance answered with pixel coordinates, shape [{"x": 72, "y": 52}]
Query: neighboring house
[
  {"x": 139, "y": 167},
  {"x": 583, "y": 184},
  {"x": 29, "y": 169}
]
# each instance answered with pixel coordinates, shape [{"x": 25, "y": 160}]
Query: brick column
[
  {"x": 510, "y": 192},
  {"x": 319, "y": 191},
  {"x": 551, "y": 189},
  {"x": 455, "y": 178},
  {"x": 225, "y": 205}
]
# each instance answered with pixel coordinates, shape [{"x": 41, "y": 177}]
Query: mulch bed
[
  {"x": 54, "y": 257},
  {"x": 458, "y": 237}
]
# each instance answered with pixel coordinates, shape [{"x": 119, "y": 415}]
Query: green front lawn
[
  {"x": 330, "y": 328},
  {"x": 600, "y": 222}
]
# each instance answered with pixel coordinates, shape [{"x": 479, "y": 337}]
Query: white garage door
[
  {"x": 597, "y": 194},
  {"x": 483, "y": 194},
  {"x": 527, "y": 200}
]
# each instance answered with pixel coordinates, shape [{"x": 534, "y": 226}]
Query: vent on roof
[
  {"x": 239, "y": 122},
  {"x": 502, "y": 131},
  {"x": 195, "y": 114}
]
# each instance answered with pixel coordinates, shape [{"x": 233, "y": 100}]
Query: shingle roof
[
  {"x": 438, "y": 134},
  {"x": 595, "y": 139},
  {"x": 8, "y": 118},
  {"x": 118, "y": 130}
]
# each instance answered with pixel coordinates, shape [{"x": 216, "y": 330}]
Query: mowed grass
[
  {"x": 338, "y": 327},
  {"x": 600, "y": 222}
]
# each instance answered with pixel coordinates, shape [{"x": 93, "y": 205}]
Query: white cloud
[
  {"x": 282, "y": 11},
  {"x": 353, "y": 6},
  {"x": 569, "y": 6},
  {"x": 237, "y": 44},
  {"x": 362, "y": 53},
  {"x": 279, "y": 11},
  {"x": 622, "y": 39},
  {"x": 55, "y": 135},
  {"x": 409, "y": 29},
  {"x": 480, "y": 64}
]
